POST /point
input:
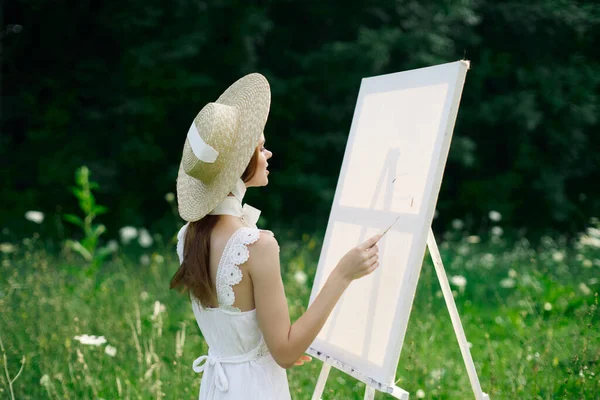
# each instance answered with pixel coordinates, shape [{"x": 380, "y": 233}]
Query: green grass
[{"x": 539, "y": 339}]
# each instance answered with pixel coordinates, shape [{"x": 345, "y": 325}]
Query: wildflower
[
  {"x": 159, "y": 308},
  {"x": 420, "y": 394},
  {"x": 584, "y": 288},
  {"x": 157, "y": 258},
  {"x": 459, "y": 281},
  {"x": 35, "y": 216},
  {"x": 110, "y": 350},
  {"x": 6, "y": 248},
  {"x": 497, "y": 231},
  {"x": 488, "y": 260},
  {"x": 91, "y": 340},
  {"x": 144, "y": 295},
  {"x": 589, "y": 241},
  {"x": 437, "y": 373},
  {"x": 507, "y": 283},
  {"x": 587, "y": 263},
  {"x": 112, "y": 245},
  {"x": 144, "y": 259},
  {"x": 127, "y": 234},
  {"x": 169, "y": 197},
  {"x": 457, "y": 224},
  {"x": 45, "y": 381},
  {"x": 495, "y": 216},
  {"x": 558, "y": 256},
  {"x": 144, "y": 239},
  {"x": 473, "y": 239},
  {"x": 300, "y": 277},
  {"x": 512, "y": 273},
  {"x": 547, "y": 306}
]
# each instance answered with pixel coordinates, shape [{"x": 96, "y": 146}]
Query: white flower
[
  {"x": 507, "y": 283},
  {"x": 420, "y": 394},
  {"x": 127, "y": 233},
  {"x": 144, "y": 259},
  {"x": 587, "y": 263},
  {"x": 558, "y": 256},
  {"x": 473, "y": 239},
  {"x": 112, "y": 245},
  {"x": 497, "y": 231},
  {"x": 590, "y": 241},
  {"x": 495, "y": 216},
  {"x": 488, "y": 260},
  {"x": 169, "y": 197},
  {"x": 91, "y": 340},
  {"x": 45, "y": 381},
  {"x": 437, "y": 374},
  {"x": 457, "y": 224},
  {"x": 300, "y": 277},
  {"x": 584, "y": 289},
  {"x": 145, "y": 240},
  {"x": 6, "y": 248},
  {"x": 35, "y": 216},
  {"x": 110, "y": 350},
  {"x": 547, "y": 306},
  {"x": 159, "y": 308},
  {"x": 459, "y": 281},
  {"x": 144, "y": 295},
  {"x": 512, "y": 273}
]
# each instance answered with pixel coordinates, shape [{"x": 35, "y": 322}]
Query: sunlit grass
[{"x": 529, "y": 313}]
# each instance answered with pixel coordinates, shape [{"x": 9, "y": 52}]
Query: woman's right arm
[{"x": 286, "y": 341}]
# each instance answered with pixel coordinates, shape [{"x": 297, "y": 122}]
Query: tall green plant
[{"x": 88, "y": 246}]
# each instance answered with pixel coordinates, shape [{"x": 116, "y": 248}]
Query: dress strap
[{"x": 229, "y": 273}]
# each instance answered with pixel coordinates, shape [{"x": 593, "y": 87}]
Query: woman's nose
[{"x": 269, "y": 154}]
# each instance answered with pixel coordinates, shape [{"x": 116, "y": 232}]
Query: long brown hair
[{"x": 194, "y": 273}]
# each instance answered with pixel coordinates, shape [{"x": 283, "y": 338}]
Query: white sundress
[{"x": 238, "y": 364}]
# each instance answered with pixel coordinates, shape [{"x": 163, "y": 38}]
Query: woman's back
[
  {"x": 239, "y": 364},
  {"x": 221, "y": 237}
]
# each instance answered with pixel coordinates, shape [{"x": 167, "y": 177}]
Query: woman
[{"x": 230, "y": 268}]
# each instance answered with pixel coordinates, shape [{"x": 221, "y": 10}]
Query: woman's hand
[
  {"x": 360, "y": 261},
  {"x": 303, "y": 359}
]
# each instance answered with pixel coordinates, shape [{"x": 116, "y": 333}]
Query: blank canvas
[{"x": 393, "y": 166}]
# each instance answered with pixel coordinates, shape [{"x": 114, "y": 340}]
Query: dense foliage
[{"x": 114, "y": 86}]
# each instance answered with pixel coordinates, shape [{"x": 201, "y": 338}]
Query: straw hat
[{"x": 220, "y": 144}]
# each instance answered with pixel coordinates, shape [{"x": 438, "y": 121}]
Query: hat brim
[{"x": 251, "y": 95}]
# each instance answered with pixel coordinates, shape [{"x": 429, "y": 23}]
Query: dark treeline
[{"x": 115, "y": 85}]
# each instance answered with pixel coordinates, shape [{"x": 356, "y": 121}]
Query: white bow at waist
[{"x": 219, "y": 378}]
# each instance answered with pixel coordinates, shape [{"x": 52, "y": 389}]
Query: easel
[{"x": 394, "y": 390}]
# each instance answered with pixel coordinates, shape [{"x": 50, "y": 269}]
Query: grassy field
[{"x": 531, "y": 315}]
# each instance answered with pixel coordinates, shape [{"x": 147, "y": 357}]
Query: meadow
[{"x": 530, "y": 313}]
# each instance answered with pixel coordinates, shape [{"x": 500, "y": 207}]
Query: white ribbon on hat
[{"x": 201, "y": 149}]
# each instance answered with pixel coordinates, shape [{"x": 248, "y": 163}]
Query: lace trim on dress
[{"x": 228, "y": 273}]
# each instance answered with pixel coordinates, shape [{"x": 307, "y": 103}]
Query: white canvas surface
[{"x": 393, "y": 166}]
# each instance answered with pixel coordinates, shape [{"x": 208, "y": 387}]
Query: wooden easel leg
[
  {"x": 458, "y": 329},
  {"x": 321, "y": 382},
  {"x": 369, "y": 393}
]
